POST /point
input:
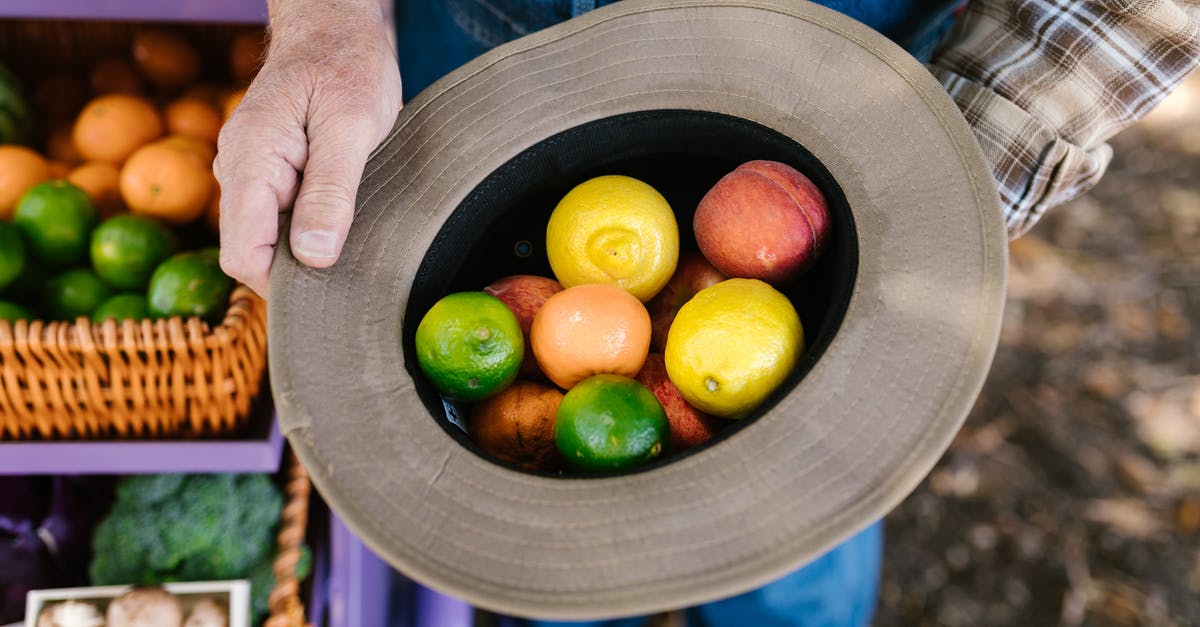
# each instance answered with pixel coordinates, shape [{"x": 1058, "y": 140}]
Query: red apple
[
  {"x": 764, "y": 220},
  {"x": 524, "y": 294},
  {"x": 689, "y": 426},
  {"x": 693, "y": 274}
]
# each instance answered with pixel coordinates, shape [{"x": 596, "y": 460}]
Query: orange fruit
[
  {"x": 111, "y": 127},
  {"x": 100, "y": 180},
  {"x": 20, "y": 169},
  {"x": 517, "y": 425},
  {"x": 203, "y": 150},
  {"x": 60, "y": 146},
  {"x": 114, "y": 75},
  {"x": 165, "y": 58},
  {"x": 166, "y": 181},
  {"x": 193, "y": 117},
  {"x": 590, "y": 329},
  {"x": 232, "y": 101},
  {"x": 246, "y": 55}
]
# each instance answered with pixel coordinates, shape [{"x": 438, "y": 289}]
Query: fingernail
[{"x": 316, "y": 244}]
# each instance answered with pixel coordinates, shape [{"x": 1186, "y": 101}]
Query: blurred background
[{"x": 1072, "y": 494}]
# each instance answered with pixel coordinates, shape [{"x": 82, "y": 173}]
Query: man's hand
[{"x": 326, "y": 96}]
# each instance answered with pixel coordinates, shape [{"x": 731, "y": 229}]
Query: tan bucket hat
[{"x": 902, "y": 329}]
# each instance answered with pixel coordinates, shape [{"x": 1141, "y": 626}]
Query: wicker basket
[
  {"x": 158, "y": 378},
  {"x": 286, "y": 606}
]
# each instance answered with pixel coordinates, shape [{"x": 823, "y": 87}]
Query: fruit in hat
[
  {"x": 590, "y": 329},
  {"x": 517, "y": 425},
  {"x": 689, "y": 426},
  {"x": 615, "y": 230},
  {"x": 765, "y": 220},
  {"x": 732, "y": 345},
  {"x": 693, "y": 274},
  {"x": 470, "y": 345},
  {"x": 608, "y": 423},
  {"x": 524, "y": 294}
]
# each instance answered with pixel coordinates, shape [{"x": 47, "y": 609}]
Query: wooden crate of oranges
[{"x": 115, "y": 317}]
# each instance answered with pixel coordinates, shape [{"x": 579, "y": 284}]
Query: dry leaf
[{"x": 1128, "y": 517}]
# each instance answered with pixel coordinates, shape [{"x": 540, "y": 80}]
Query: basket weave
[
  {"x": 135, "y": 378},
  {"x": 286, "y": 607}
]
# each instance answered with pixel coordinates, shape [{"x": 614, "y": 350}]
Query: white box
[{"x": 234, "y": 594}]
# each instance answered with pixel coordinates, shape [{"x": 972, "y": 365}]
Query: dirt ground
[{"x": 1072, "y": 494}]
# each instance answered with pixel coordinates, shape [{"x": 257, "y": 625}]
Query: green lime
[
  {"x": 13, "y": 312},
  {"x": 127, "y": 248},
  {"x": 189, "y": 284},
  {"x": 73, "y": 293},
  {"x": 122, "y": 307},
  {"x": 12, "y": 254},
  {"x": 56, "y": 218},
  {"x": 470, "y": 345},
  {"x": 608, "y": 422}
]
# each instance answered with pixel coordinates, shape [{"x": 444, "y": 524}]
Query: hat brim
[{"x": 852, "y": 439}]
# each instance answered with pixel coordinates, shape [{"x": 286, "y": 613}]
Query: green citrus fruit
[
  {"x": 127, "y": 248},
  {"x": 190, "y": 284},
  {"x": 470, "y": 345},
  {"x": 122, "y": 307},
  {"x": 73, "y": 293},
  {"x": 56, "y": 218},
  {"x": 608, "y": 422},
  {"x": 13, "y": 312},
  {"x": 12, "y": 254}
]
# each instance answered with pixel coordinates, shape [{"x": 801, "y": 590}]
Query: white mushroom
[
  {"x": 145, "y": 607},
  {"x": 208, "y": 613},
  {"x": 71, "y": 614}
]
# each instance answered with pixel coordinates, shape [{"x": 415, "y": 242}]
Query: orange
[
  {"x": 165, "y": 58},
  {"x": 590, "y": 329},
  {"x": 165, "y": 181},
  {"x": 111, "y": 127},
  {"x": 203, "y": 150},
  {"x": 246, "y": 55},
  {"x": 517, "y": 425},
  {"x": 114, "y": 76},
  {"x": 20, "y": 169},
  {"x": 232, "y": 101},
  {"x": 193, "y": 117},
  {"x": 100, "y": 181},
  {"x": 61, "y": 147}
]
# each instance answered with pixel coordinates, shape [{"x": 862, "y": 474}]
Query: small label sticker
[{"x": 454, "y": 414}]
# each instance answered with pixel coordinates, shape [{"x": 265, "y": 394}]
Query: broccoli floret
[{"x": 210, "y": 527}]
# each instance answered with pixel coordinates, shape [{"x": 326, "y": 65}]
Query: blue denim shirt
[{"x": 437, "y": 36}]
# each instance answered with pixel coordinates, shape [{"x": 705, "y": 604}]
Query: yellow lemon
[
  {"x": 731, "y": 345},
  {"x": 615, "y": 230}
]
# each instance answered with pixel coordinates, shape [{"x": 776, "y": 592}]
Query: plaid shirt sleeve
[{"x": 1044, "y": 83}]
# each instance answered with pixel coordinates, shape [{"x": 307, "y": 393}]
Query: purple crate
[
  {"x": 365, "y": 592},
  {"x": 230, "y": 11},
  {"x": 258, "y": 451}
]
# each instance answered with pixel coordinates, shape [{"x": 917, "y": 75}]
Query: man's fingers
[
  {"x": 256, "y": 168},
  {"x": 324, "y": 207}
]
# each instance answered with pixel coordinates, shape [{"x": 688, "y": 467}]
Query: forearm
[
  {"x": 286, "y": 17},
  {"x": 1044, "y": 84}
]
